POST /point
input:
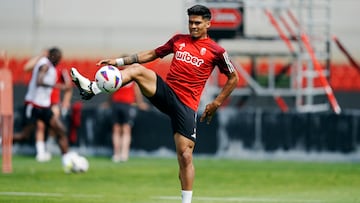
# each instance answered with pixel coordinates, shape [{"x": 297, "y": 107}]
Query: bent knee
[
  {"x": 137, "y": 69},
  {"x": 135, "y": 72}
]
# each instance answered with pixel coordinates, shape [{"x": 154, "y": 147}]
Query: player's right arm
[
  {"x": 29, "y": 65},
  {"x": 141, "y": 57}
]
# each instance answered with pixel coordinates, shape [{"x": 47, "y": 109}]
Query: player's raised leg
[
  {"x": 145, "y": 78},
  {"x": 86, "y": 87}
]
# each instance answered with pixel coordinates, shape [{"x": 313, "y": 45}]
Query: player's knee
[
  {"x": 185, "y": 158},
  {"x": 139, "y": 72},
  {"x": 137, "y": 69}
]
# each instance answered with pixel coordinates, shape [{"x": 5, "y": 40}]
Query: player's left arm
[
  {"x": 64, "y": 82},
  {"x": 210, "y": 109},
  {"x": 68, "y": 90}
]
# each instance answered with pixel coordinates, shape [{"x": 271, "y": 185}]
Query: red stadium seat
[
  {"x": 16, "y": 71},
  {"x": 343, "y": 77},
  {"x": 2, "y": 63}
]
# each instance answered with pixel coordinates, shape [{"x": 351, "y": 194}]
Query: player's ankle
[{"x": 94, "y": 88}]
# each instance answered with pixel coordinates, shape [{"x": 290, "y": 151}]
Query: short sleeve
[
  {"x": 166, "y": 49},
  {"x": 224, "y": 63}
]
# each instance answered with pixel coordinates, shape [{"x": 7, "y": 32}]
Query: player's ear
[{"x": 208, "y": 23}]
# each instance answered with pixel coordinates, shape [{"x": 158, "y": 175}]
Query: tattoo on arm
[
  {"x": 135, "y": 58},
  {"x": 131, "y": 59}
]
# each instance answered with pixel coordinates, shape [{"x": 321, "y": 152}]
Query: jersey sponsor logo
[{"x": 188, "y": 58}]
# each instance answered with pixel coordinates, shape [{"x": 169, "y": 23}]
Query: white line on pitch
[
  {"x": 42, "y": 194},
  {"x": 31, "y": 194},
  {"x": 239, "y": 199}
]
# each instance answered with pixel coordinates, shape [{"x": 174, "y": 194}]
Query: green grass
[{"x": 154, "y": 180}]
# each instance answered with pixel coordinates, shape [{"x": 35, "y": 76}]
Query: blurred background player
[
  {"x": 123, "y": 109},
  {"x": 38, "y": 100},
  {"x": 59, "y": 108},
  {"x": 195, "y": 56}
]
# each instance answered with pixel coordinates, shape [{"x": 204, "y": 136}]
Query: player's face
[
  {"x": 198, "y": 26},
  {"x": 55, "y": 58}
]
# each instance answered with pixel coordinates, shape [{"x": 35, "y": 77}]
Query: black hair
[
  {"x": 54, "y": 51},
  {"x": 200, "y": 10},
  {"x": 54, "y": 55}
]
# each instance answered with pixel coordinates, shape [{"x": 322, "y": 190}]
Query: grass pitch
[{"x": 154, "y": 180}]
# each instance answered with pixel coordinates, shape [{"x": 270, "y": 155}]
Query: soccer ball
[
  {"x": 108, "y": 79},
  {"x": 80, "y": 165},
  {"x": 74, "y": 163}
]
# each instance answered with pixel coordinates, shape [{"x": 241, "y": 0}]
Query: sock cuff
[
  {"x": 186, "y": 196},
  {"x": 94, "y": 88}
]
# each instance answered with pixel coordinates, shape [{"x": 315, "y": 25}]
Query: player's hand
[
  {"x": 209, "y": 112},
  {"x": 107, "y": 62}
]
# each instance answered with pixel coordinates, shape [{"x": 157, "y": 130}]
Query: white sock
[
  {"x": 40, "y": 147},
  {"x": 94, "y": 88},
  {"x": 186, "y": 196}
]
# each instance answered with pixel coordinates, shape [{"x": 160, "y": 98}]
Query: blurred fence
[
  {"x": 319, "y": 132},
  {"x": 268, "y": 131}
]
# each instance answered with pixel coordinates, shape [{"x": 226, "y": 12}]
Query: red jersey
[
  {"x": 192, "y": 64},
  {"x": 62, "y": 75},
  {"x": 126, "y": 94}
]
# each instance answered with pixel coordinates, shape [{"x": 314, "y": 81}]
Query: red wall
[{"x": 343, "y": 77}]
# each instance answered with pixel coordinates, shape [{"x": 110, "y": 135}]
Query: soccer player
[
  {"x": 57, "y": 106},
  {"x": 123, "y": 111},
  {"x": 195, "y": 57},
  {"x": 38, "y": 100}
]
